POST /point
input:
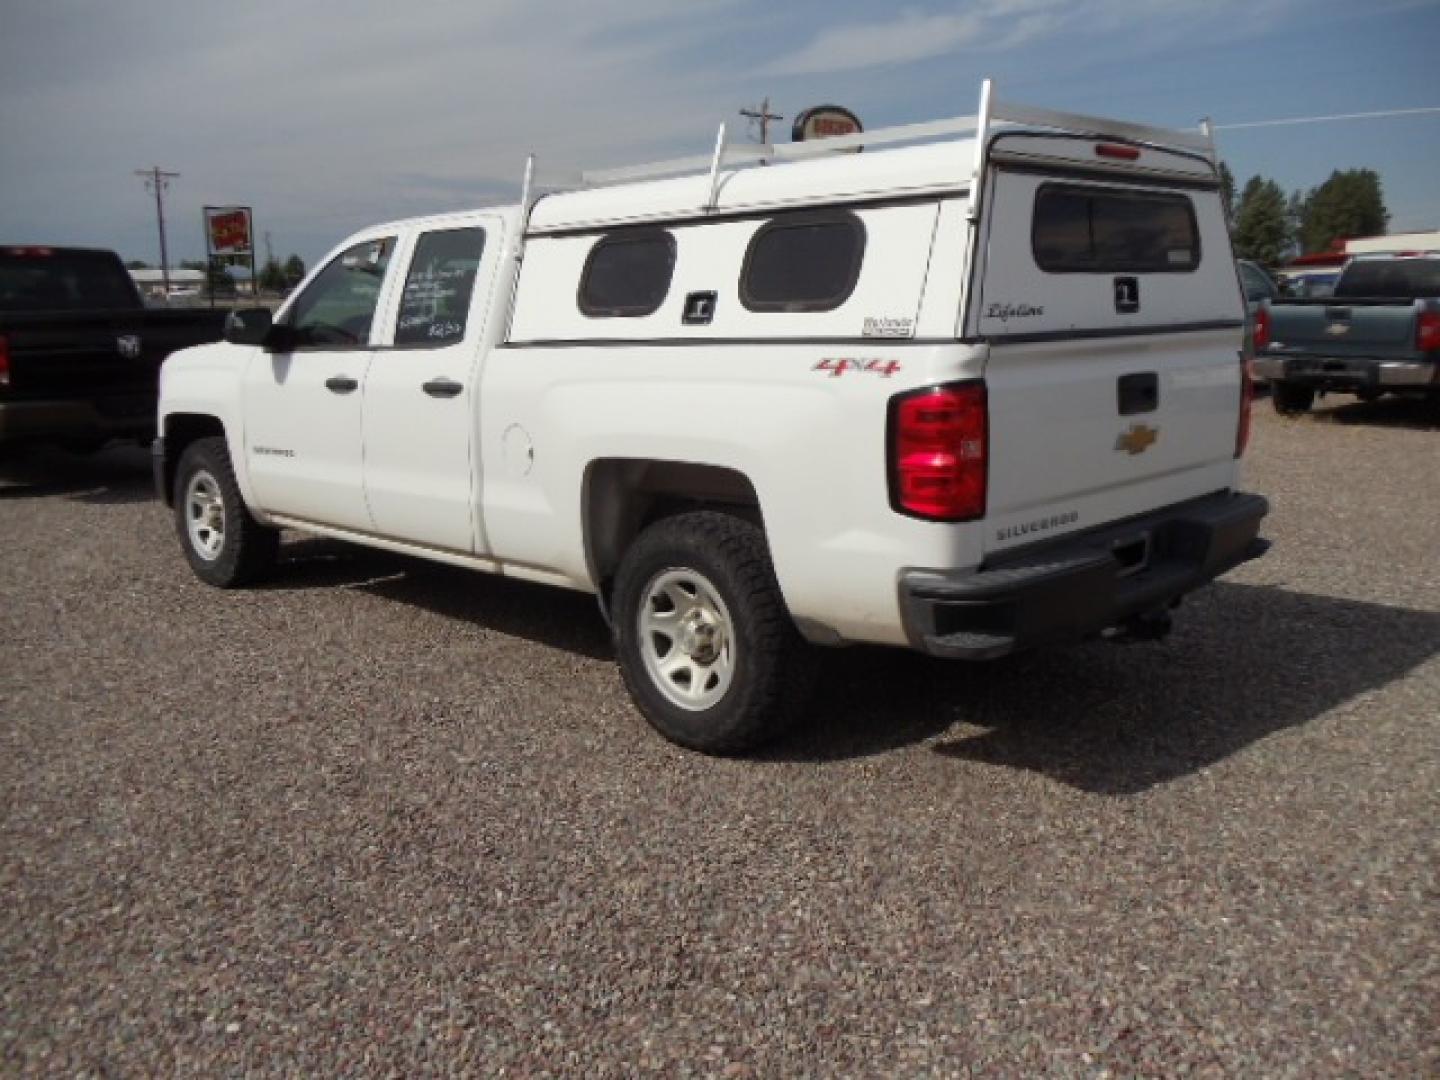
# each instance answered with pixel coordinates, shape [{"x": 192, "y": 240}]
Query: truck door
[
  {"x": 421, "y": 403},
  {"x": 302, "y": 407},
  {"x": 1114, "y": 318}
]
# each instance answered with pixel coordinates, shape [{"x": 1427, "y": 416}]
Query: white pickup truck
[{"x": 969, "y": 395}]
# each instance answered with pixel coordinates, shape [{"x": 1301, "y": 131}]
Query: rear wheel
[
  {"x": 225, "y": 546},
  {"x": 706, "y": 646},
  {"x": 1292, "y": 400}
]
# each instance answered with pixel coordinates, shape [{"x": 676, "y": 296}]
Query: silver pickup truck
[{"x": 1378, "y": 334}]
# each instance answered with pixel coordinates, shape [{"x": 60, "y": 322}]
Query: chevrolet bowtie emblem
[{"x": 1137, "y": 440}]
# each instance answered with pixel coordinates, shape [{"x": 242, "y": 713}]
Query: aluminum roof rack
[
  {"x": 740, "y": 155},
  {"x": 991, "y": 112}
]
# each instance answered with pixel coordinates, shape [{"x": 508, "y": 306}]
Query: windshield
[
  {"x": 50, "y": 279},
  {"x": 1403, "y": 279}
]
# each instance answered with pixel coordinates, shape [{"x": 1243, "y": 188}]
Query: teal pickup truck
[{"x": 1379, "y": 333}]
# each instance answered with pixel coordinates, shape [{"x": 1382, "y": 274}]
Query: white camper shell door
[{"x": 1115, "y": 322}]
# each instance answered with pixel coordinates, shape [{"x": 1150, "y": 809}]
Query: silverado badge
[
  {"x": 1137, "y": 440},
  {"x": 1335, "y": 329},
  {"x": 128, "y": 346}
]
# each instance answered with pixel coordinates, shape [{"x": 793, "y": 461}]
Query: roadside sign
[{"x": 228, "y": 229}]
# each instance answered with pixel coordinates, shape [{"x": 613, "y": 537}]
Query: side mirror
[
  {"x": 248, "y": 326},
  {"x": 280, "y": 338}
]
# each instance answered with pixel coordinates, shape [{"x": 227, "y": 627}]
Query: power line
[
  {"x": 1324, "y": 119},
  {"x": 157, "y": 180}
]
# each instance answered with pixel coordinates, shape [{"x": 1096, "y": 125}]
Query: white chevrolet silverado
[{"x": 979, "y": 388}]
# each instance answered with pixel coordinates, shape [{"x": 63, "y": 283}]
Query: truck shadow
[
  {"x": 1415, "y": 414},
  {"x": 116, "y": 474},
  {"x": 557, "y": 618},
  {"x": 1245, "y": 662}
]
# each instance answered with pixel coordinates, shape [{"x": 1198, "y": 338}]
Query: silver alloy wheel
[
  {"x": 205, "y": 515},
  {"x": 687, "y": 638}
]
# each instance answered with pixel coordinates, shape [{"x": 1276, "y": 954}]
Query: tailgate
[
  {"x": 1115, "y": 322},
  {"x": 76, "y": 354},
  {"x": 1343, "y": 327}
]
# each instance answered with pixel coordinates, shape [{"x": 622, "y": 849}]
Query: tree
[
  {"x": 1227, "y": 193},
  {"x": 218, "y": 281},
  {"x": 1261, "y": 230},
  {"x": 272, "y": 276},
  {"x": 137, "y": 264},
  {"x": 1349, "y": 203},
  {"x": 294, "y": 270}
]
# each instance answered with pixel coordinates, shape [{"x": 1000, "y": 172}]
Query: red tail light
[
  {"x": 939, "y": 443},
  {"x": 1261, "y": 335},
  {"x": 4, "y": 361},
  {"x": 1118, "y": 151},
  {"x": 1247, "y": 405},
  {"x": 1427, "y": 331}
]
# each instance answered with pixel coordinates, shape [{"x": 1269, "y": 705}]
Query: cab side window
[
  {"x": 338, "y": 307},
  {"x": 436, "y": 302}
]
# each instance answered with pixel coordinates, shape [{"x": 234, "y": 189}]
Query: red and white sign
[
  {"x": 824, "y": 122},
  {"x": 229, "y": 228}
]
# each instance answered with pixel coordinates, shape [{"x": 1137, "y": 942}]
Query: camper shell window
[
  {"x": 627, "y": 274},
  {"x": 1082, "y": 229},
  {"x": 803, "y": 262}
]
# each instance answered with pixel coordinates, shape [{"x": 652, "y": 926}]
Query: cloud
[
  {"x": 980, "y": 24},
  {"x": 914, "y": 36}
]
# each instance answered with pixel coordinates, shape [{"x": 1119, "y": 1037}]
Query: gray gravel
[{"x": 387, "y": 817}]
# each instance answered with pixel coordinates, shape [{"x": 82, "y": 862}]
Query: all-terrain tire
[
  {"x": 224, "y": 545},
  {"x": 706, "y": 578}
]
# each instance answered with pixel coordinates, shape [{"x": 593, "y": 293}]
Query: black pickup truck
[{"x": 80, "y": 353}]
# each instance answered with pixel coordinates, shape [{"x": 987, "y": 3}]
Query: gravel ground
[{"x": 388, "y": 817}]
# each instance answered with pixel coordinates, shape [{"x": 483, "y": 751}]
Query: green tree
[
  {"x": 137, "y": 264},
  {"x": 294, "y": 270},
  {"x": 272, "y": 276},
  {"x": 1349, "y": 203},
  {"x": 1227, "y": 193},
  {"x": 1261, "y": 230}
]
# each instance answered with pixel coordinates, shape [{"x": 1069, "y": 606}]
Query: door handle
[
  {"x": 341, "y": 384},
  {"x": 442, "y": 387}
]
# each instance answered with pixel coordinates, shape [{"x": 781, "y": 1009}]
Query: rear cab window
[
  {"x": 54, "y": 279},
  {"x": 1400, "y": 279},
  {"x": 435, "y": 302}
]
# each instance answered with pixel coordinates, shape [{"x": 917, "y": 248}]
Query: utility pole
[
  {"x": 157, "y": 180},
  {"x": 762, "y": 116}
]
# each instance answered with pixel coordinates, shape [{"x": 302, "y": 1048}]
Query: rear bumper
[
  {"x": 1079, "y": 585},
  {"x": 1348, "y": 372},
  {"x": 99, "y": 419}
]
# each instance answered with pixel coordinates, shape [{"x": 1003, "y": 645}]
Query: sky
[{"x": 326, "y": 116}]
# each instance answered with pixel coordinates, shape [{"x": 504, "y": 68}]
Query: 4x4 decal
[{"x": 838, "y": 366}]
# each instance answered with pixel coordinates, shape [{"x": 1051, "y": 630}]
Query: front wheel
[
  {"x": 707, "y": 648},
  {"x": 1292, "y": 400},
  {"x": 224, "y": 545}
]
